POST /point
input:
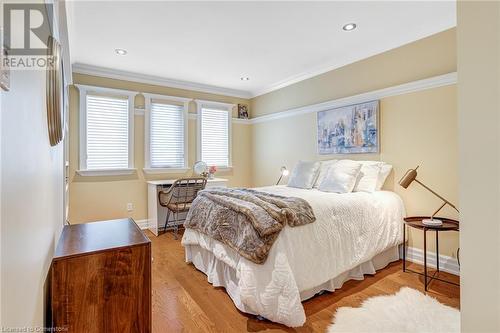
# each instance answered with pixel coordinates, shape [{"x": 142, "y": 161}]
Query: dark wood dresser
[{"x": 100, "y": 279}]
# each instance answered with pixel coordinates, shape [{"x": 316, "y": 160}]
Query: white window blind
[
  {"x": 215, "y": 136},
  {"x": 167, "y": 135},
  {"x": 107, "y": 132}
]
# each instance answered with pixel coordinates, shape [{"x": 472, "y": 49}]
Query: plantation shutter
[
  {"x": 167, "y": 135},
  {"x": 107, "y": 132},
  {"x": 215, "y": 137}
]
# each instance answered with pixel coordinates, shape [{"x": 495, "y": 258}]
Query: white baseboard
[
  {"x": 143, "y": 224},
  {"x": 446, "y": 264}
]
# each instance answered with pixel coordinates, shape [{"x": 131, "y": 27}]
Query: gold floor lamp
[{"x": 408, "y": 178}]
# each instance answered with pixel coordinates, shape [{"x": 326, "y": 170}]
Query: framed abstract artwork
[{"x": 349, "y": 129}]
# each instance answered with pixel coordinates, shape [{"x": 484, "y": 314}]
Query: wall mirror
[{"x": 55, "y": 92}]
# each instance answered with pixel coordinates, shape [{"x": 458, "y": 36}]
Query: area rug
[{"x": 407, "y": 311}]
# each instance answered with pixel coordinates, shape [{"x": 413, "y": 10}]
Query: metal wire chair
[{"x": 178, "y": 198}]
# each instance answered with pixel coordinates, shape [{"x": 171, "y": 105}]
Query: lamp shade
[{"x": 408, "y": 178}]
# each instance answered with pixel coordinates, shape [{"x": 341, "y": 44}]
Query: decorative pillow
[
  {"x": 368, "y": 177},
  {"x": 385, "y": 170},
  {"x": 323, "y": 169},
  {"x": 341, "y": 177},
  {"x": 304, "y": 174}
]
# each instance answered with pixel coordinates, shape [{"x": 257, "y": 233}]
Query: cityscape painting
[{"x": 349, "y": 130}]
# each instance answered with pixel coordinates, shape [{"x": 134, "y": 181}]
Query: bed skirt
[{"x": 220, "y": 274}]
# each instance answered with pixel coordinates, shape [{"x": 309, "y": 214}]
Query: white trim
[
  {"x": 106, "y": 172},
  {"x": 242, "y": 121},
  {"x": 215, "y": 104},
  {"x": 139, "y": 112},
  {"x": 446, "y": 264},
  {"x": 147, "y": 121},
  {"x": 153, "y": 171},
  {"x": 167, "y": 98},
  {"x": 100, "y": 90},
  {"x": 218, "y": 105},
  {"x": 142, "y": 224},
  {"x": 156, "y": 80},
  {"x": 84, "y": 90},
  {"x": 433, "y": 82},
  {"x": 194, "y": 116}
]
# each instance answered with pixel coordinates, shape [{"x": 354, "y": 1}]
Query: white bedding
[{"x": 350, "y": 229}]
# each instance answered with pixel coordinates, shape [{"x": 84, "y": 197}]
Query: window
[
  {"x": 166, "y": 133},
  {"x": 214, "y": 133},
  {"x": 106, "y": 131}
]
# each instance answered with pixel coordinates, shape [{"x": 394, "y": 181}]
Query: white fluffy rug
[{"x": 407, "y": 311}]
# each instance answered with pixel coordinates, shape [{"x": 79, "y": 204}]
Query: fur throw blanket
[{"x": 246, "y": 220}]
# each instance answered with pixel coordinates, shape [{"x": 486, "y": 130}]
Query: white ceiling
[{"x": 213, "y": 44}]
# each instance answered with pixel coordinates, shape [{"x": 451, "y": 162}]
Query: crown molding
[
  {"x": 156, "y": 80},
  {"x": 433, "y": 82}
]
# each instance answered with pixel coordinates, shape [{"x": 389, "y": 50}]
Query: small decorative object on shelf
[
  {"x": 242, "y": 111},
  {"x": 211, "y": 172}
]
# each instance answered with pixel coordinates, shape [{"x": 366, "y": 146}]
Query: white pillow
[
  {"x": 385, "y": 170},
  {"x": 323, "y": 169},
  {"x": 304, "y": 174},
  {"x": 368, "y": 177},
  {"x": 341, "y": 177}
]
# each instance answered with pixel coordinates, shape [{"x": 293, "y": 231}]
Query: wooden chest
[{"x": 100, "y": 279}]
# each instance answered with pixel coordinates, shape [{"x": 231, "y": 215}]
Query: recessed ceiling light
[
  {"x": 349, "y": 27},
  {"x": 121, "y": 52},
  {"x": 244, "y": 78}
]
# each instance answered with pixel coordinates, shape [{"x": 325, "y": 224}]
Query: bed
[{"x": 354, "y": 234}]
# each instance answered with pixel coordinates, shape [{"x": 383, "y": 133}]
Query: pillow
[
  {"x": 341, "y": 177},
  {"x": 368, "y": 177},
  {"x": 323, "y": 169},
  {"x": 385, "y": 170},
  {"x": 304, "y": 174}
]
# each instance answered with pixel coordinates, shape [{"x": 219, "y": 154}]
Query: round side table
[{"x": 416, "y": 222}]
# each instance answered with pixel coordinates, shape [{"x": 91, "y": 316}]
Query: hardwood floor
[{"x": 184, "y": 301}]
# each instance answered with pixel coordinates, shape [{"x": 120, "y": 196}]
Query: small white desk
[{"x": 156, "y": 213}]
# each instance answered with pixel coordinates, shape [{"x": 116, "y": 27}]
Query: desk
[{"x": 156, "y": 213}]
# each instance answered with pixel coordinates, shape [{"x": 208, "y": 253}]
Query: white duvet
[{"x": 349, "y": 230}]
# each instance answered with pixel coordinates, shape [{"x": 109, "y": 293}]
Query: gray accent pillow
[{"x": 304, "y": 174}]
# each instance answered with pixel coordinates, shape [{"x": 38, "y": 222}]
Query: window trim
[
  {"x": 84, "y": 91},
  {"x": 147, "y": 133},
  {"x": 220, "y": 106}
]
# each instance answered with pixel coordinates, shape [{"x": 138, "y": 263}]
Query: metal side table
[{"x": 416, "y": 222}]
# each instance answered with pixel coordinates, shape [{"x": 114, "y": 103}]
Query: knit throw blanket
[{"x": 246, "y": 220}]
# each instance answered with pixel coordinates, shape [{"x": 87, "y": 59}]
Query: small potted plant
[{"x": 211, "y": 172}]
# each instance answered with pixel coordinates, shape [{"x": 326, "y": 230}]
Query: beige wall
[
  {"x": 97, "y": 198},
  {"x": 479, "y": 128},
  {"x": 417, "y": 128}
]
